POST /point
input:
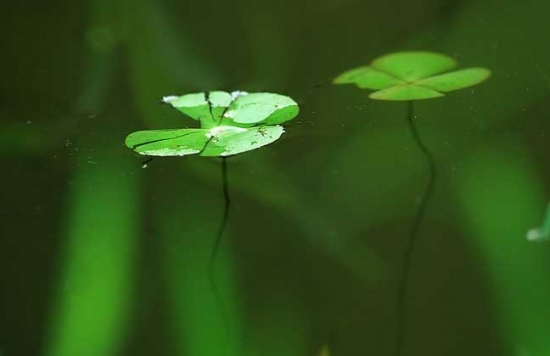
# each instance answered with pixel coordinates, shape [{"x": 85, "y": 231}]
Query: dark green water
[{"x": 101, "y": 257}]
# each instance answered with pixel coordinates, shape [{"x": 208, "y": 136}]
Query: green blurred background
[{"x": 99, "y": 257}]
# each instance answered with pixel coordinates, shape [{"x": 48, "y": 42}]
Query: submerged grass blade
[
  {"x": 94, "y": 294},
  {"x": 500, "y": 195},
  {"x": 199, "y": 327}
]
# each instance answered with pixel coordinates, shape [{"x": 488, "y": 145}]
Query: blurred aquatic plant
[
  {"x": 94, "y": 299},
  {"x": 541, "y": 233},
  {"x": 500, "y": 193},
  {"x": 405, "y": 76},
  {"x": 95, "y": 292},
  {"x": 325, "y": 351},
  {"x": 411, "y": 76}
]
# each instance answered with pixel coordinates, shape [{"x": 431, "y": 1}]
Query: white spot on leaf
[
  {"x": 230, "y": 114},
  {"x": 237, "y": 94},
  {"x": 169, "y": 99},
  {"x": 220, "y": 130},
  {"x": 183, "y": 151},
  {"x": 537, "y": 235}
]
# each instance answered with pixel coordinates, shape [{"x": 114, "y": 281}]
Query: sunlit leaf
[
  {"x": 193, "y": 105},
  {"x": 230, "y": 140},
  {"x": 265, "y": 108},
  {"x": 219, "y": 102},
  {"x": 412, "y": 76},
  {"x": 231, "y": 123},
  {"x": 219, "y": 99},
  {"x": 168, "y": 142}
]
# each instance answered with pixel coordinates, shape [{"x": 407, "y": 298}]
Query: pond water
[{"x": 101, "y": 255}]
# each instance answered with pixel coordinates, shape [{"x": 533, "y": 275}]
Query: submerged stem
[
  {"x": 217, "y": 242},
  {"x": 409, "y": 248}
]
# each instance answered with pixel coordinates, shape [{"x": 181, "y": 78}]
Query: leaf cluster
[{"x": 230, "y": 123}]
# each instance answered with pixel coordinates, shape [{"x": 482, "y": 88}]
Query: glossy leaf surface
[
  {"x": 168, "y": 142},
  {"x": 242, "y": 140},
  {"x": 266, "y": 108}
]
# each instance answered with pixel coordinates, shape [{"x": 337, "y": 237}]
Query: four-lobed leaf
[
  {"x": 231, "y": 123},
  {"x": 412, "y": 76}
]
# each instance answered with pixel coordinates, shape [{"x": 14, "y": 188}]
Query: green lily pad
[
  {"x": 193, "y": 105},
  {"x": 219, "y": 101},
  {"x": 228, "y": 142},
  {"x": 231, "y": 123},
  {"x": 412, "y": 76},
  {"x": 168, "y": 142},
  {"x": 266, "y": 108},
  {"x": 205, "y": 107}
]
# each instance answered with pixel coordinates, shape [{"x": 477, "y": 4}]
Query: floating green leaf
[
  {"x": 405, "y": 92},
  {"x": 193, "y": 105},
  {"x": 455, "y": 80},
  {"x": 168, "y": 142},
  {"x": 262, "y": 107},
  {"x": 412, "y": 76},
  {"x": 411, "y": 66},
  {"x": 231, "y": 123},
  {"x": 231, "y": 140}
]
